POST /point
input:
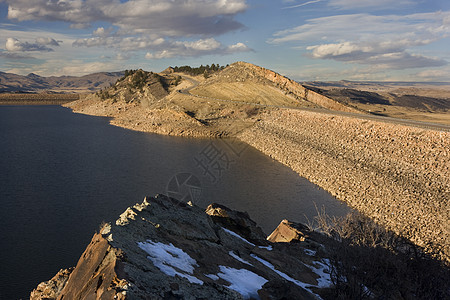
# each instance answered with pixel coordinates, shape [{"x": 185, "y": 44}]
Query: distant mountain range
[{"x": 32, "y": 83}]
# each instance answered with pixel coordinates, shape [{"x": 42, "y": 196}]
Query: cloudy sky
[{"x": 406, "y": 40}]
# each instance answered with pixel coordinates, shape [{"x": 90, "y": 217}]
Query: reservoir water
[{"x": 62, "y": 174}]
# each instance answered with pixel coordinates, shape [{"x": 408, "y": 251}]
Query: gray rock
[{"x": 166, "y": 249}]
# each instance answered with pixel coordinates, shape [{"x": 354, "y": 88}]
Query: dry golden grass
[{"x": 246, "y": 92}]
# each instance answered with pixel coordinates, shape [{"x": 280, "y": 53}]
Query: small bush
[{"x": 251, "y": 110}]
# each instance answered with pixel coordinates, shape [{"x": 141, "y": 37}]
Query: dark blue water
[{"x": 62, "y": 174}]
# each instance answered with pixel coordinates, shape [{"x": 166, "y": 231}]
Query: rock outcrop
[{"x": 166, "y": 249}]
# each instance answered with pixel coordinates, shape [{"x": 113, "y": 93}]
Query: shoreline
[
  {"x": 37, "y": 99},
  {"x": 40, "y": 102}
]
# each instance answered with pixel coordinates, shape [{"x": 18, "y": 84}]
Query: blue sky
[{"x": 383, "y": 40}]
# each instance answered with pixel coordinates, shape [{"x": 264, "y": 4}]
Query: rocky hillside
[
  {"x": 33, "y": 83},
  {"x": 152, "y": 102},
  {"x": 139, "y": 86},
  {"x": 237, "y": 81},
  {"x": 167, "y": 249},
  {"x": 224, "y": 103},
  {"x": 397, "y": 175}
]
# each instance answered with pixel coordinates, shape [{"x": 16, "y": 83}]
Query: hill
[
  {"x": 421, "y": 101},
  {"x": 246, "y": 82},
  {"x": 183, "y": 101},
  {"x": 32, "y": 83}
]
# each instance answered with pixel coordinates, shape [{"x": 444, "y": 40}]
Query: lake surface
[{"x": 62, "y": 174}]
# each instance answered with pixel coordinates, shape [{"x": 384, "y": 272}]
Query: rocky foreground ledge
[{"x": 166, "y": 249}]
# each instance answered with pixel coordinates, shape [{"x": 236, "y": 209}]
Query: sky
[{"x": 375, "y": 40}]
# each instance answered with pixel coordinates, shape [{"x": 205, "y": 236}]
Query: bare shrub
[
  {"x": 368, "y": 261},
  {"x": 251, "y": 110}
]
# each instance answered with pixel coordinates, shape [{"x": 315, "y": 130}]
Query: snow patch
[
  {"x": 212, "y": 276},
  {"x": 238, "y": 236},
  {"x": 167, "y": 257},
  {"x": 310, "y": 252},
  {"x": 242, "y": 281},
  {"x": 324, "y": 279},
  {"x": 268, "y": 248},
  {"x": 284, "y": 275},
  {"x": 232, "y": 254}
]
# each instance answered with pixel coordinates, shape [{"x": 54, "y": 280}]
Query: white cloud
[
  {"x": 356, "y": 4},
  {"x": 102, "y": 32},
  {"x": 239, "y": 47},
  {"x": 14, "y": 55},
  {"x": 80, "y": 68},
  {"x": 174, "y": 18},
  {"x": 122, "y": 56},
  {"x": 47, "y": 41},
  {"x": 434, "y": 75},
  {"x": 59, "y": 67},
  {"x": 159, "y": 48},
  {"x": 369, "y": 39},
  {"x": 388, "y": 55},
  {"x": 423, "y": 26},
  {"x": 301, "y": 4},
  {"x": 122, "y": 43},
  {"x": 14, "y": 45},
  {"x": 163, "y": 29},
  {"x": 195, "y": 48},
  {"x": 203, "y": 45}
]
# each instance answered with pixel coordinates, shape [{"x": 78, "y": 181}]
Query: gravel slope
[{"x": 397, "y": 175}]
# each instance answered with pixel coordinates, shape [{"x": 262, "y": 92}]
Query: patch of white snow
[
  {"x": 238, "y": 236},
  {"x": 232, "y": 254},
  {"x": 242, "y": 281},
  {"x": 212, "y": 276},
  {"x": 284, "y": 275},
  {"x": 324, "y": 279},
  {"x": 268, "y": 248},
  {"x": 167, "y": 257},
  {"x": 310, "y": 252}
]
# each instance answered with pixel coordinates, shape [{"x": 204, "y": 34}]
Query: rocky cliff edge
[{"x": 166, "y": 249}]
